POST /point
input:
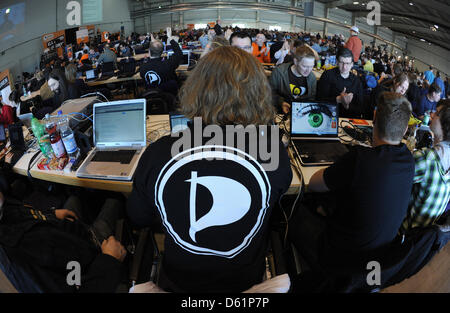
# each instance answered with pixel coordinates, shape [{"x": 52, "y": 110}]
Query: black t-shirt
[
  {"x": 298, "y": 86},
  {"x": 373, "y": 188},
  {"x": 215, "y": 212}
]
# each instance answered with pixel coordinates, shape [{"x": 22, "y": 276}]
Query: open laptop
[
  {"x": 91, "y": 75},
  {"x": 314, "y": 133},
  {"x": 119, "y": 140},
  {"x": 178, "y": 122}
]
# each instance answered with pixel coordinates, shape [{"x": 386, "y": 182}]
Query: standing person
[
  {"x": 340, "y": 85},
  {"x": 441, "y": 84},
  {"x": 260, "y": 50},
  {"x": 429, "y": 75},
  {"x": 354, "y": 44},
  {"x": 215, "y": 240},
  {"x": 294, "y": 81}
]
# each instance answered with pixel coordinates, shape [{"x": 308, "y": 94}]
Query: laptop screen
[
  {"x": 178, "y": 122},
  {"x": 120, "y": 123},
  {"x": 90, "y": 74},
  {"x": 314, "y": 119}
]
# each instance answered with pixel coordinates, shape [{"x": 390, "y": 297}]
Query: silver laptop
[
  {"x": 119, "y": 138},
  {"x": 314, "y": 133}
]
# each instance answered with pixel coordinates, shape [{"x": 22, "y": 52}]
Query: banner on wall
[
  {"x": 105, "y": 36},
  {"x": 90, "y": 29},
  {"x": 54, "y": 41},
  {"x": 82, "y": 36},
  {"x": 5, "y": 86}
]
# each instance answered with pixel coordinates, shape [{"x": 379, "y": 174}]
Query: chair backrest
[{"x": 158, "y": 102}]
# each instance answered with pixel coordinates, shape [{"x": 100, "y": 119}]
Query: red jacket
[
  {"x": 7, "y": 115},
  {"x": 355, "y": 45}
]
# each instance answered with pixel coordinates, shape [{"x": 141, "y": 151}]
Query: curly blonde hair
[{"x": 228, "y": 86}]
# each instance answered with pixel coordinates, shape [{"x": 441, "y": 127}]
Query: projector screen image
[
  {"x": 312, "y": 118},
  {"x": 12, "y": 21}
]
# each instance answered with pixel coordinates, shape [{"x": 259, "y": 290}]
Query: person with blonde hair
[
  {"x": 294, "y": 81},
  {"x": 214, "y": 195}
]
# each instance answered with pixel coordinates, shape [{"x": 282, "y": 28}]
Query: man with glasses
[
  {"x": 242, "y": 40},
  {"x": 340, "y": 85}
]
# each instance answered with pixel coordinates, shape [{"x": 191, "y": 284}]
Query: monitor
[{"x": 314, "y": 119}]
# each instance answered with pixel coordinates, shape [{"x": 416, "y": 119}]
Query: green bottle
[{"x": 42, "y": 138}]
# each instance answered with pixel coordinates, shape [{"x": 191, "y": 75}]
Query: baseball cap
[{"x": 355, "y": 29}]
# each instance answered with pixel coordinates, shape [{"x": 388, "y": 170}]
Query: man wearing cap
[{"x": 354, "y": 43}]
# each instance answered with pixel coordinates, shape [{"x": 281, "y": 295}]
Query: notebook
[
  {"x": 178, "y": 122},
  {"x": 91, "y": 75},
  {"x": 314, "y": 133},
  {"x": 119, "y": 139}
]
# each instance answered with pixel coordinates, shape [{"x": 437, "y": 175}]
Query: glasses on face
[{"x": 346, "y": 64}]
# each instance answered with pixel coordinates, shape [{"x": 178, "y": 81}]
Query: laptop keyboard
[
  {"x": 320, "y": 152},
  {"x": 122, "y": 156}
]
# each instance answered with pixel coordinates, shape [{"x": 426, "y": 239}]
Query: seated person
[
  {"x": 431, "y": 189},
  {"x": 159, "y": 73},
  {"x": 84, "y": 57},
  {"x": 93, "y": 55},
  {"x": 125, "y": 51},
  {"x": 428, "y": 101},
  {"x": 260, "y": 50},
  {"x": 75, "y": 87},
  {"x": 39, "y": 243},
  {"x": 241, "y": 40},
  {"x": 340, "y": 85},
  {"x": 107, "y": 56},
  {"x": 399, "y": 84},
  {"x": 58, "y": 85},
  {"x": 215, "y": 241},
  {"x": 372, "y": 187},
  {"x": 367, "y": 64},
  {"x": 7, "y": 113},
  {"x": 294, "y": 81}
]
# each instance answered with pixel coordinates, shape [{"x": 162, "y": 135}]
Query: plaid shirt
[{"x": 431, "y": 190}]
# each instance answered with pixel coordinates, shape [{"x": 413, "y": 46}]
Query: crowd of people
[{"x": 381, "y": 203}]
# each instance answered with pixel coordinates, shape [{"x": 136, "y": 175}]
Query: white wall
[{"x": 22, "y": 53}]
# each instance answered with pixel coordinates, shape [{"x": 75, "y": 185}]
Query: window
[
  {"x": 274, "y": 28},
  {"x": 200, "y": 26}
]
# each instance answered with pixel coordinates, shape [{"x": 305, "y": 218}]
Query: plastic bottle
[
  {"x": 67, "y": 136},
  {"x": 55, "y": 137},
  {"x": 42, "y": 138},
  {"x": 426, "y": 118},
  {"x": 319, "y": 64}
]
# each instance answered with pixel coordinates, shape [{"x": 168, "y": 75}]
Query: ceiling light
[
  {"x": 421, "y": 39},
  {"x": 436, "y": 26},
  {"x": 411, "y": 3},
  {"x": 356, "y": 2},
  {"x": 8, "y": 10}
]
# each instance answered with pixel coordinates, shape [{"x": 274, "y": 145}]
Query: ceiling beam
[
  {"x": 336, "y": 4},
  {"x": 433, "y": 5},
  {"x": 414, "y": 16},
  {"x": 409, "y": 28}
]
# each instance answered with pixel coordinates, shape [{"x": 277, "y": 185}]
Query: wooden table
[
  {"x": 33, "y": 94},
  {"x": 157, "y": 126}
]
